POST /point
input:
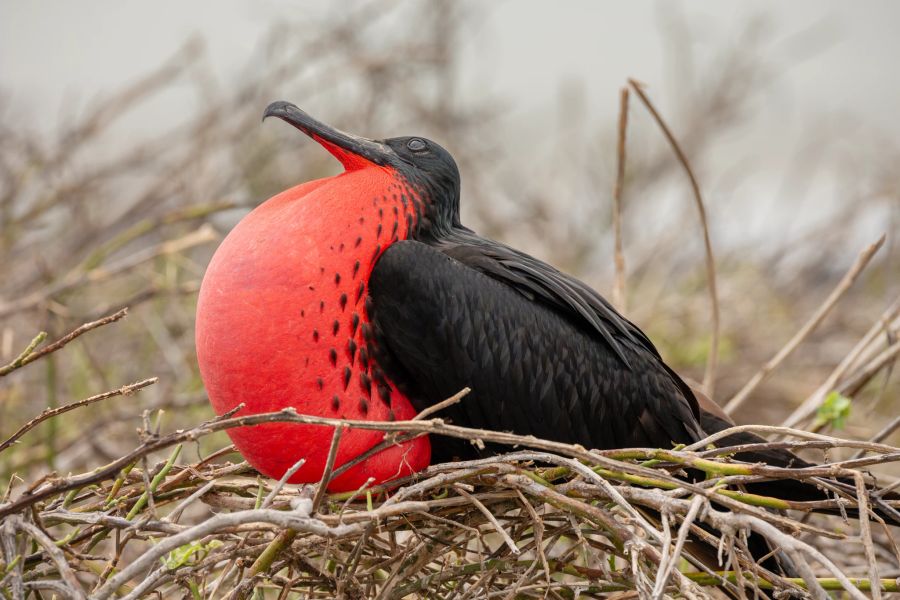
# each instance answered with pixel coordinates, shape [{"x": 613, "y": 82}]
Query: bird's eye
[{"x": 416, "y": 145}]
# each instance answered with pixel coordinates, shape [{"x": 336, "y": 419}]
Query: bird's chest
[
  {"x": 284, "y": 302},
  {"x": 282, "y": 318}
]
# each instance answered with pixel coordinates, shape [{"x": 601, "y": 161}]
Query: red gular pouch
[{"x": 282, "y": 321}]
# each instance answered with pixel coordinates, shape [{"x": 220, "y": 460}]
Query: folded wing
[{"x": 543, "y": 354}]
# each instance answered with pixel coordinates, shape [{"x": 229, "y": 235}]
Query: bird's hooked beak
[{"x": 346, "y": 147}]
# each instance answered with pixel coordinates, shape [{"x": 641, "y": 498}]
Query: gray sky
[
  {"x": 836, "y": 61},
  {"x": 56, "y": 51}
]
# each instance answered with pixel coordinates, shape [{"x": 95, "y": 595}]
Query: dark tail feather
[{"x": 792, "y": 489}]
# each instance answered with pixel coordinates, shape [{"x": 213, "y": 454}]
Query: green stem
[
  {"x": 117, "y": 484},
  {"x": 268, "y": 555},
  {"x": 52, "y": 402},
  {"x": 20, "y": 359},
  {"x": 828, "y": 583},
  {"x": 139, "y": 505},
  {"x": 259, "y": 493}
]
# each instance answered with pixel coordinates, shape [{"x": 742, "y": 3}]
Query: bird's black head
[
  {"x": 431, "y": 169},
  {"x": 428, "y": 169}
]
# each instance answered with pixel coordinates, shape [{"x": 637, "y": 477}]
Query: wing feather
[{"x": 539, "y": 356}]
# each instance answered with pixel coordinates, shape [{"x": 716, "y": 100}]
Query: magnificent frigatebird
[{"x": 364, "y": 296}]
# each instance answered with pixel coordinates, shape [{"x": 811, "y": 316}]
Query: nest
[{"x": 546, "y": 520}]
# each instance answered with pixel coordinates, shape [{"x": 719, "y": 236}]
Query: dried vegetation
[{"x": 132, "y": 492}]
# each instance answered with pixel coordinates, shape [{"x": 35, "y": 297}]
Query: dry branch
[
  {"x": 444, "y": 507},
  {"x": 810, "y": 405},
  {"x": 125, "y": 390},
  {"x": 619, "y": 298},
  {"x": 32, "y": 354},
  {"x": 709, "y": 375}
]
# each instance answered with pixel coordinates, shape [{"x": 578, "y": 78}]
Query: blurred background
[{"x": 131, "y": 142}]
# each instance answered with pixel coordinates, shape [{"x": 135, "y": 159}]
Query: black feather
[{"x": 446, "y": 318}]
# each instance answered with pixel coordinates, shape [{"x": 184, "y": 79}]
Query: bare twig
[
  {"x": 619, "y": 298},
  {"x": 34, "y": 355},
  {"x": 434, "y": 408},
  {"x": 787, "y": 431},
  {"x": 329, "y": 467},
  {"x": 665, "y": 567},
  {"x": 887, "y": 430},
  {"x": 29, "y": 349},
  {"x": 709, "y": 376},
  {"x": 270, "y": 497},
  {"x": 278, "y": 518},
  {"x": 125, "y": 390},
  {"x": 493, "y": 520},
  {"x": 59, "y": 559},
  {"x": 866, "y": 534},
  {"x": 861, "y": 261},
  {"x": 858, "y": 353},
  {"x": 886, "y": 357}
]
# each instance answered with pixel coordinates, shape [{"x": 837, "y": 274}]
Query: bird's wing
[
  {"x": 446, "y": 320},
  {"x": 539, "y": 281}
]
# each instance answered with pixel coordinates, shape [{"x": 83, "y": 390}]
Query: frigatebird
[{"x": 364, "y": 296}]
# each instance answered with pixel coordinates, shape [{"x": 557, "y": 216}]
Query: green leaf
[
  {"x": 834, "y": 410},
  {"x": 189, "y": 554}
]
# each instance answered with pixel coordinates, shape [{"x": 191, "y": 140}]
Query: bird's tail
[
  {"x": 713, "y": 420},
  {"x": 796, "y": 490}
]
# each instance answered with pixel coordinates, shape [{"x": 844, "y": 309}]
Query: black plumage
[
  {"x": 452, "y": 315},
  {"x": 543, "y": 353}
]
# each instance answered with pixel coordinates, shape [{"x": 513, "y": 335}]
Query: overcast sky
[
  {"x": 57, "y": 50},
  {"x": 840, "y": 58}
]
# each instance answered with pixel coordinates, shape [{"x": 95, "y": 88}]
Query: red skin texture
[{"x": 266, "y": 319}]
